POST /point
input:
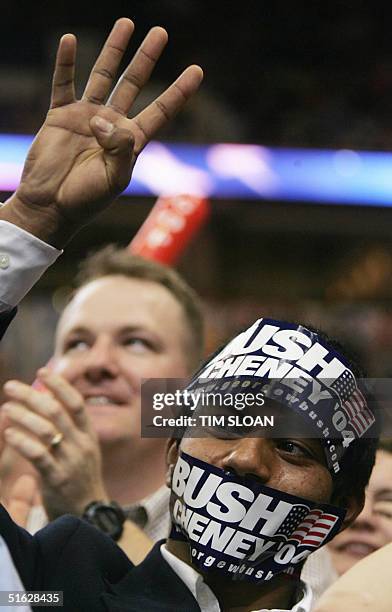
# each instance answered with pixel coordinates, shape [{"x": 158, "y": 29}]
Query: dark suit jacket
[
  {"x": 5, "y": 320},
  {"x": 94, "y": 574}
]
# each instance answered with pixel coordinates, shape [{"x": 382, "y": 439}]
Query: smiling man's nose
[
  {"x": 101, "y": 361},
  {"x": 250, "y": 457},
  {"x": 367, "y": 520}
]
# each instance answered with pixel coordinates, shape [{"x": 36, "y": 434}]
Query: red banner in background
[{"x": 170, "y": 226}]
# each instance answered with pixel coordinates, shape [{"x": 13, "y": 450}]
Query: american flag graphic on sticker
[
  {"x": 345, "y": 385},
  {"x": 353, "y": 403},
  {"x": 314, "y": 528}
]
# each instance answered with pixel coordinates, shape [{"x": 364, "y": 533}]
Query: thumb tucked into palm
[{"x": 117, "y": 144}]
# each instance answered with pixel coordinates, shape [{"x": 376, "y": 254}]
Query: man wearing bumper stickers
[{"x": 246, "y": 510}]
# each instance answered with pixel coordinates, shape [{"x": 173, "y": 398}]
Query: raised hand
[{"x": 83, "y": 156}]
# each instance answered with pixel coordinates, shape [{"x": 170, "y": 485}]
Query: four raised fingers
[
  {"x": 106, "y": 66},
  {"x": 138, "y": 71},
  {"x": 63, "y": 84},
  {"x": 154, "y": 116},
  {"x": 161, "y": 110}
]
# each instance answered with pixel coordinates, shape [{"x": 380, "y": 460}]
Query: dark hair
[
  {"x": 112, "y": 260},
  {"x": 358, "y": 461}
]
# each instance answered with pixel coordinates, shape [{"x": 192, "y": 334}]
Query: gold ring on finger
[{"x": 56, "y": 440}]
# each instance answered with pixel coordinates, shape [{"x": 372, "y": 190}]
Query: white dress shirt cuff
[{"x": 23, "y": 260}]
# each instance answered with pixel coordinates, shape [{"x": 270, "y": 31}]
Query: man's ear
[
  {"x": 354, "y": 504},
  {"x": 172, "y": 451}
]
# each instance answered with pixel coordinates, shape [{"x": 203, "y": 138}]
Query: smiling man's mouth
[
  {"x": 358, "y": 549},
  {"x": 100, "y": 400}
]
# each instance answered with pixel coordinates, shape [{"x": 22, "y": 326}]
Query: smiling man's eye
[
  {"x": 76, "y": 344},
  {"x": 137, "y": 343},
  {"x": 383, "y": 509}
]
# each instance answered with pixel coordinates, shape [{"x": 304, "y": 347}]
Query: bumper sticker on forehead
[
  {"x": 241, "y": 529},
  {"x": 297, "y": 368}
]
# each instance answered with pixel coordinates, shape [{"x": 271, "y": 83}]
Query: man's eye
[
  {"x": 76, "y": 345},
  {"x": 138, "y": 344},
  {"x": 294, "y": 448},
  {"x": 384, "y": 510}
]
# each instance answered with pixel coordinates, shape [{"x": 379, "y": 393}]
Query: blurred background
[{"x": 279, "y": 74}]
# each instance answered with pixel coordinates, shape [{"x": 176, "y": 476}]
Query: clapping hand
[{"x": 52, "y": 430}]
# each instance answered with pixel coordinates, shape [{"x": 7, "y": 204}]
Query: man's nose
[
  {"x": 251, "y": 457},
  {"x": 367, "y": 519},
  {"x": 101, "y": 361}
]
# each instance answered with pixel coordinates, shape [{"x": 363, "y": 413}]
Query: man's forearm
[{"x": 47, "y": 223}]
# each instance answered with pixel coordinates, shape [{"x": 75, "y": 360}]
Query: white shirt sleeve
[
  {"x": 9, "y": 580},
  {"x": 23, "y": 260}
]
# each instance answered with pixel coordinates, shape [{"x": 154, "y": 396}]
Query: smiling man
[
  {"x": 372, "y": 529},
  {"x": 246, "y": 510},
  {"x": 129, "y": 320}
]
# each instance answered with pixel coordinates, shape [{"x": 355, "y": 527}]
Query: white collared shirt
[
  {"x": 152, "y": 514},
  {"x": 206, "y": 598},
  {"x": 23, "y": 260},
  {"x": 319, "y": 572}
]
